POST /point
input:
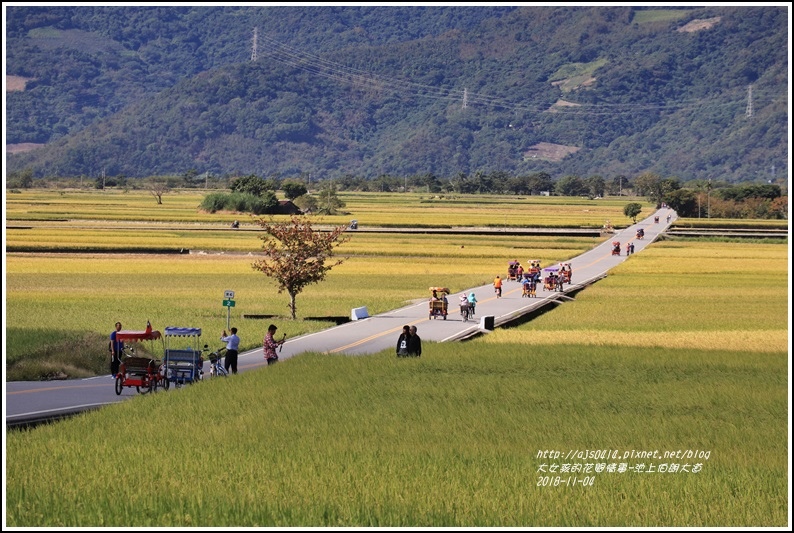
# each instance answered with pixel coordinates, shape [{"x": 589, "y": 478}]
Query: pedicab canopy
[
  {"x": 551, "y": 269},
  {"x": 173, "y": 331},
  {"x": 440, "y": 289},
  {"x": 135, "y": 336}
]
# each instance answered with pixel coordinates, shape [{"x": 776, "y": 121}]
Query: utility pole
[
  {"x": 749, "y": 112},
  {"x": 708, "y": 199},
  {"x": 253, "y": 48}
]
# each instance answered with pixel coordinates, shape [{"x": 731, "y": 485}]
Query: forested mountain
[{"x": 328, "y": 91}]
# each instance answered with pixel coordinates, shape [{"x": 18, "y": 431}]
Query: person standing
[
  {"x": 115, "y": 347},
  {"x": 414, "y": 343},
  {"x": 402, "y": 342},
  {"x": 497, "y": 285},
  {"x": 631, "y": 248},
  {"x": 269, "y": 345},
  {"x": 232, "y": 345}
]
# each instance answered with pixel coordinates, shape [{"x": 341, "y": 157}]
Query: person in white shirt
[{"x": 232, "y": 344}]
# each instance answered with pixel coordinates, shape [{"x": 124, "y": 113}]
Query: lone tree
[
  {"x": 296, "y": 255},
  {"x": 632, "y": 210},
  {"x": 157, "y": 187}
]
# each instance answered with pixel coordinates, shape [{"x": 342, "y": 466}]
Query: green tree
[
  {"x": 654, "y": 187},
  {"x": 20, "y": 178},
  {"x": 631, "y": 210},
  {"x": 596, "y": 185},
  {"x": 251, "y": 184},
  {"x": 293, "y": 189},
  {"x": 297, "y": 255},
  {"x": 683, "y": 201},
  {"x": 571, "y": 186},
  {"x": 328, "y": 203},
  {"x": 540, "y": 181},
  {"x": 307, "y": 203}
]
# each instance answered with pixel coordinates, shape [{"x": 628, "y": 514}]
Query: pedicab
[
  {"x": 512, "y": 270},
  {"x": 551, "y": 280},
  {"x": 534, "y": 269},
  {"x": 143, "y": 373},
  {"x": 438, "y": 302},
  {"x": 528, "y": 288},
  {"x": 566, "y": 272},
  {"x": 615, "y": 247},
  {"x": 182, "y": 365},
  {"x": 655, "y": 220},
  {"x": 640, "y": 233}
]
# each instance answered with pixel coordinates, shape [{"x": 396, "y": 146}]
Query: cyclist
[{"x": 472, "y": 302}]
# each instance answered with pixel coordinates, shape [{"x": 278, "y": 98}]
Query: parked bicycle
[{"x": 216, "y": 363}]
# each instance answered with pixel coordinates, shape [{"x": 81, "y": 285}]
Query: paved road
[{"x": 31, "y": 400}]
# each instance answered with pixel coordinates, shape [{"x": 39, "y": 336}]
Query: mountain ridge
[{"x": 466, "y": 90}]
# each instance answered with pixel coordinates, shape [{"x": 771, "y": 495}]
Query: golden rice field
[
  {"x": 683, "y": 295},
  {"x": 52, "y": 297},
  {"x": 681, "y": 348},
  {"x": 370, "y": 209}
]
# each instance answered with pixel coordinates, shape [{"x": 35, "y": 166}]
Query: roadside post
[{"x": 228, "y": 303}]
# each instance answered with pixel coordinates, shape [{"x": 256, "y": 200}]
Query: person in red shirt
[{"x": 269, "y": 345}]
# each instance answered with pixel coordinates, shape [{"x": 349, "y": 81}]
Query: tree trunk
[{"x": 292, "y": 307}]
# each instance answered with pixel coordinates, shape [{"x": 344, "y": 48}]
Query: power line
[{"x": 313, "y": 64}]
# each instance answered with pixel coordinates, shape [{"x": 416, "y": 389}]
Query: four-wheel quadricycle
[
  {"x": 182, "y": 365},
  {"x": 143, "y": 373}
]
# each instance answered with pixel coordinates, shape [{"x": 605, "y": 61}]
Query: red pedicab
[
  {"x": 512, "y": 270},
  {"x": 615, "y": 247},
  {"x": 566, "y": 272},
  {"x": 143, "y": 373},
  {"x": 534, "y": 270},
  {"x": 552, "y": 281}
]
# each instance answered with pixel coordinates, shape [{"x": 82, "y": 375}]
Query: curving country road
[{"x": 32, "y": 401}]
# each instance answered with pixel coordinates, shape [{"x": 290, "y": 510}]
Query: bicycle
[
  {"x": 216, "y": 365},
  {"x": 466, "y": 311}
]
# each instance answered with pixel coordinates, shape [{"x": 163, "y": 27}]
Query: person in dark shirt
[
  {"x": 402, "y": 342},
  {"x": 115, "y": 347},
  {"x": 414, "y": 343}
]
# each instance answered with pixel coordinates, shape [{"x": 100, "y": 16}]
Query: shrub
[{"x": 241, "y": 202}]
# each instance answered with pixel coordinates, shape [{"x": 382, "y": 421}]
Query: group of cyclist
[{"x": 467, "y": 304}]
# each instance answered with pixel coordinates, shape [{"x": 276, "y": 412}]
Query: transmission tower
[
  {"x": 465, "y": 98},
  {"x": 253, "y": 48},
  {"x": 749, "y": 112}
]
